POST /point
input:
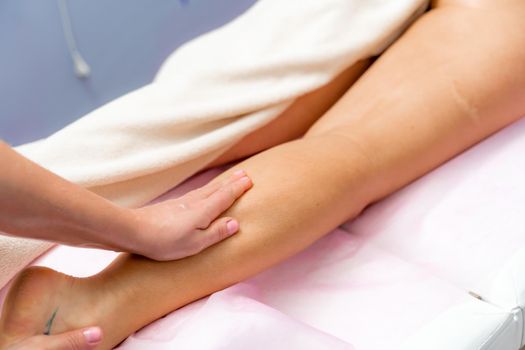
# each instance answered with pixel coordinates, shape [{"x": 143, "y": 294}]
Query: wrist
[
  {"x": 127, "y": 235},
  {"x": 116, "y": 230}
]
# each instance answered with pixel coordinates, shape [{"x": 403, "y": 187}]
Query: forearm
[{"x": 35, "y": 203}]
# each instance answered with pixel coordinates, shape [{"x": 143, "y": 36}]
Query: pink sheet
[{"x": 371, "y": 284}]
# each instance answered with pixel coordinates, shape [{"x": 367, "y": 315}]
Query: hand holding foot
[
  {"x": 45, "y": 309},
  {"x": 83, "y": 339}
]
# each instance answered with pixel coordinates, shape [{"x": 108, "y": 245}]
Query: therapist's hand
[
  {"x": 177, "y": 228},
  {"x": 82, "y": 339},
  {"x": 36, "y": 203}
]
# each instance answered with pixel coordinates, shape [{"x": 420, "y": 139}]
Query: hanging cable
[{"x": 82, "y": 69}]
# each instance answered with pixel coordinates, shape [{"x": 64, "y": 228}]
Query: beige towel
[{"x": 208, "y": 95}]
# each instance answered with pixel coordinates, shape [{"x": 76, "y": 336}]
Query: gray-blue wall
[{"x": 124, "y": 41}]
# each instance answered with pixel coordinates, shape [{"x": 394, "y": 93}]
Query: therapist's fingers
[
  {"x": 220, "y": 229},
  {"x": 83, "y": 339},
  {"x": 213, "y": 186},
  {"x": 213, "y": 206}
]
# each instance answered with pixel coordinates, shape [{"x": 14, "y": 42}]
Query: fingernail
[
  {"x": 239, "y": 172},
  {"x": 93, "y": 335},
  {"x": 245, "y": 180},
  {"x": 232, "y": 226}
]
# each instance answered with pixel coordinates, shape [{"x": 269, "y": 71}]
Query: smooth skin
[
  {"x": 455, "y": 77},
  {"x": 35, "y": 203}
]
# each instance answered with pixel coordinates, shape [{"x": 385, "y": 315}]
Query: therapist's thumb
[{"x": 82, "y": 339}]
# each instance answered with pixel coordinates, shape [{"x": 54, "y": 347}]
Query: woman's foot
[{"x": 44, "y": 301}]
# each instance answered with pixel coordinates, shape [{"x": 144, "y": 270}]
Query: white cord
[{"x": 82, "y": 69}]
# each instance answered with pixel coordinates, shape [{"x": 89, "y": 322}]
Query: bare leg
[
  {"x": 296, "y": 119},
  {"x": 455, "y": 77}
]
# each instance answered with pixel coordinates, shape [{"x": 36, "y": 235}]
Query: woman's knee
[
  {"x": 491, "y": 26},
  {"x": 451, "y": 40}
]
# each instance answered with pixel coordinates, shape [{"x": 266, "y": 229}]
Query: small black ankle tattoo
[{"x": 50, "y": 322}]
